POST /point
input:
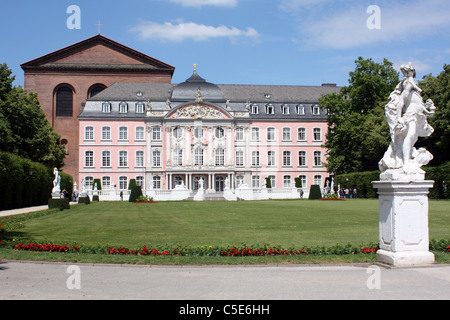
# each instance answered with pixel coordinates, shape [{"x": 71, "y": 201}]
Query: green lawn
[{"x": 287, "y": 223}]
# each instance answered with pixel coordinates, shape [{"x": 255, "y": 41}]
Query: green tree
[
  {"x": 355, "y": 114},
  {"x": 24, "y": 129},
  {"x": 438, "y": 89}
]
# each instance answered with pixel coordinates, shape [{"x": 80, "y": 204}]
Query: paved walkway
[
  {"x": 43, "y": 281},
  {"x": 6, "y": 213}
]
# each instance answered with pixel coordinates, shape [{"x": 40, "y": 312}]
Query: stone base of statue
[
  {"x": 56, "y": 195},
  {"x": 200, "y": 196},
  {"x": 403, "y": 222}
]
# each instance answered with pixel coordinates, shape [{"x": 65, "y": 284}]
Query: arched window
[
  {"x": 64, "y": 101},
  {"x": 96, "y": 88}
]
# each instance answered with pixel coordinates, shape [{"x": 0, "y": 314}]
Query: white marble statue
[
  {"x": 406, "y": 114},
  {"x": 56, "y": 191}
]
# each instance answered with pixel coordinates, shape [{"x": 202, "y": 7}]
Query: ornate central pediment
[{"x": 198, "y": 111}]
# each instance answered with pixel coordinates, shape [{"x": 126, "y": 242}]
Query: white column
[
  {"x": 229, "y": 151},
  {"x": 168, "y": 145},
  {"x": 210, "y": 146}
]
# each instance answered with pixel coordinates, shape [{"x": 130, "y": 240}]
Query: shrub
[
  {"x": 60, "y": 204},
  {"x": 85, "y": 200},
  {"x": 136, "y": 192},
  {"x": 314, "y": 192},
  {"x": 298, "y": 182}
]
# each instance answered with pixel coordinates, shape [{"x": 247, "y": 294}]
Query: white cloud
[
  {"x": 189, "y": 30},
  {"x": 200, "y": 3},
  {"x": 342, "y": 26}
]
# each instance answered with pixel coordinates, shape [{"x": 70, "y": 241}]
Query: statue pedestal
[
  {"x": 200, "y": 196},
  {"x": 403, "y": 222}
]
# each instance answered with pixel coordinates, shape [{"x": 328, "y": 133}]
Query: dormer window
[
  {"x": 285, "y": 109},
  {"x": 270, "y": 109},
  {"x": 140, "y": 107},
  {"x": 315, "y": 110},
  {"x": 106, "y": 107},
  {"x": 267, "y": 95},
  {"x": 300, "y": 109},
  {"x": 255, "y": 109},
  {"x": 123, "y": 107}
]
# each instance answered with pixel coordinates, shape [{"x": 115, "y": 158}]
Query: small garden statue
[{"x": 56, "y": 191}]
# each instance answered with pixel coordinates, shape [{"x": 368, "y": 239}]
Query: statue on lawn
[{"x": 407, "y": 114}]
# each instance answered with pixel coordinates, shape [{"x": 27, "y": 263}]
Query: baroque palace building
[
  {"x": 168, "y": 135},
  {"x": 121, "y": 118}
]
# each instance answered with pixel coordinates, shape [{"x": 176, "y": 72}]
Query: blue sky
[{"x": 274, "y": 42}]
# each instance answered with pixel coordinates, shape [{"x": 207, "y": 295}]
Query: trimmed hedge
[
  {"x": 363, "y": 182},
  {"x": 314, "y": 192},
  {"x": 136, "y": 192},
  {"x": 60, "y": 204},
  {"x": 23, "y": 182}
]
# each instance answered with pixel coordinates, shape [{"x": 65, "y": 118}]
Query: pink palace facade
[{"x": 167, "y": 135}]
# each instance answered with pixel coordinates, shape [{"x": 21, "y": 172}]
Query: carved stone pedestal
[{"x": 403, "y": 222}]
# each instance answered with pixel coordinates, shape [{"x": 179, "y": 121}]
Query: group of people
[{"x": 347, "y": 193}]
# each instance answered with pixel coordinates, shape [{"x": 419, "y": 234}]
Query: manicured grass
[
  {"x": 287, "y": 223},
  {"x": 214, "y": 223}
]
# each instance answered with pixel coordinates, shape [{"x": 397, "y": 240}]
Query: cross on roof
[{"x": 98, "y": 25}]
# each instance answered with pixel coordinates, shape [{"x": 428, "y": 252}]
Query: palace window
[
  {"x": 198, "y": 132},
  {"x": 156, "y": 133},
  {"x": 270, "y": 134},
  {"x": 198, "y": 156},
  {"x": 89, "y": 183},
  {"x": 156, "y": 182},
  {"x": 123, "y": 159},
  {"x": 239, "y": 134},
  {"x": 255, "y": 134},
  {"x": 89, "y": 159},
  {"x": 286, "y": 158},
  {"x": 220, "y": 157},
  {"x": 220, "y": 132},
  {"x": 271, "y": 158},
  {"x": 123, "y": 133},
  {"x": 255, "y": 158},
  {"x": 300, "y": 109},
  {"x": 178, "y": 157},
  {"x": 302, "y": 158},
  {"x": 317, "y": 158},
  {"x": 273, "y": 181},
  {"x": 239, "y": 158},
  {"x": 318, "y": 180},
  {"x": 286, "y": 134},
  {"x": 255, "y": 181},
  {"x": 317, "y": 134},
  {"x": 140, "y": 133},
  {"x": 123, "y": 183},
  {"x": 106, "y": 159},
  {"x": 303, "y": 180},
  {"x": 255, "y": 109},
  {"x": 106, "y": 133},
  {"x": 177, "y": 132},
  {"x": 156, "y": 158},
  {"x": 239, "y": 181},
  {"x": 287, "y": 182},
  {"x": 64, "y": 102},
  {"x": 89, "y": 133},
  {"x": 140, "y": 181},
  {"x": 139, "y": 158},
  {"x": 285, "y": 109},
  {"x": 106, "y": 183},
  {"x": 301, "y": 134}
]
